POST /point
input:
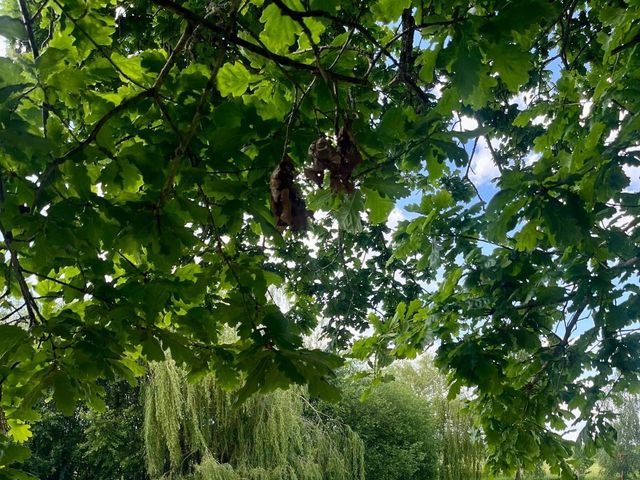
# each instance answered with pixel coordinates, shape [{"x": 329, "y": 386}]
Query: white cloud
[
  {"x": 483, "y": 168},
  {"x": 522, "y": 99},
  {"x": 436, "y": 91},
  {"x": 541, "y": 120},
  {"x": 586, "y": 108},
  {"x": 613, "y": 134},
  {"x": 634, "y": 176},
  {"x": 395, "y": 217},
  {"x": 467, "y": 123},
  {"x": 531, "y": 158}
]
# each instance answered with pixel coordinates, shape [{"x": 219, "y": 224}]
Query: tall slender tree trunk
[{"x": 518, "y": 474}]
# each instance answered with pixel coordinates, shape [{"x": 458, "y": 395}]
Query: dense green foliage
[
  {"x": 408, "y": 419},
  {"x": 55, "y": 447},
  {"x": 91, "y": 445},
  {"x": 142, "y": 143},
  {"x": 398, "y": 430},
  {"x": 459, "y": 443},
  {"x": 623, "y": 461},
  {"x": 193, "y": 430}
]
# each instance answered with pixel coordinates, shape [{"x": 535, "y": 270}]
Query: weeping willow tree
[
  {"x": 194, "y": 431},
  {"x": 462, "y": 451}
]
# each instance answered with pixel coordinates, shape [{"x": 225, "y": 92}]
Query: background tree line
[{"x": 404, "y": 428}]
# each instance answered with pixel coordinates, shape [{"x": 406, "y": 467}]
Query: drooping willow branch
[{"x": 195, "y": 430}]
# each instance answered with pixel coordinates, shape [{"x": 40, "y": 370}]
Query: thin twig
[
  {"x": 12, "y": 312},
  {"x": 32, "y": 306},
  {"x": 26, "y": 20},
  {"x": 185, "y": 139},
  {"x": 494, "y": 154},
  {"x": 574, "y": 321},
  {"x": 466, "y": 175},
  {"x": 39, "y": 9},
  {"x": 177, "y": 50},
  {"x": 59, "y": 282}
]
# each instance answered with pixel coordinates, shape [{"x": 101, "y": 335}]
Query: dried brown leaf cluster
[{"x": 341, "y": 160}]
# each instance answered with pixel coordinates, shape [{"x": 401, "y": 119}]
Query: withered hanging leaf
[
  {"x": 325, "y": 157},
  {"x": 340, "y": 161},
  {"x": 287, "y": 204},
  {"x": 351, "y": 158}
]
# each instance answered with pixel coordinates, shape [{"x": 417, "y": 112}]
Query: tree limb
[
  {"x": 624, "y": 46},
  {"x": 27, "y": 21},
  {"x": 252, "y": 47},
  {"x": 574, "y": 321},
  {"x": 30, "y": 303}
]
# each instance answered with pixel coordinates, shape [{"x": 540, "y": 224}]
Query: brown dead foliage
[
  {"x": 341, "y": 160},
  {"x": 287, "y": 204}
]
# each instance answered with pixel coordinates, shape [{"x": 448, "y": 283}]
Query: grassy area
[
  {"x": 589, "y": 476},
  {"x": 594, "y": 473}
]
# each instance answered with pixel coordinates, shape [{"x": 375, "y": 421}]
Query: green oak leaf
[
  {"x": 466, "y": 67},
  {"x": 280, "y": 31},
  {"x": 511, "y": 63},
  {"x": 379, "y": 207},
  {"x": 12, "y": 28},
  {"x": 233, "y": 79},
  {"x": 389, "y": 10},
  {"x": 348, "y": 213}
]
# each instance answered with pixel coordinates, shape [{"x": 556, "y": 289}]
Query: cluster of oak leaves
[{"x": 287, "y": 203}]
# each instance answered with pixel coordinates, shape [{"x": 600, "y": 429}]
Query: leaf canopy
[{"x": 137, "y": 146}]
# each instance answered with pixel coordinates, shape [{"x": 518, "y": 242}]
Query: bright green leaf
[{"x": 233, "y": 79}]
